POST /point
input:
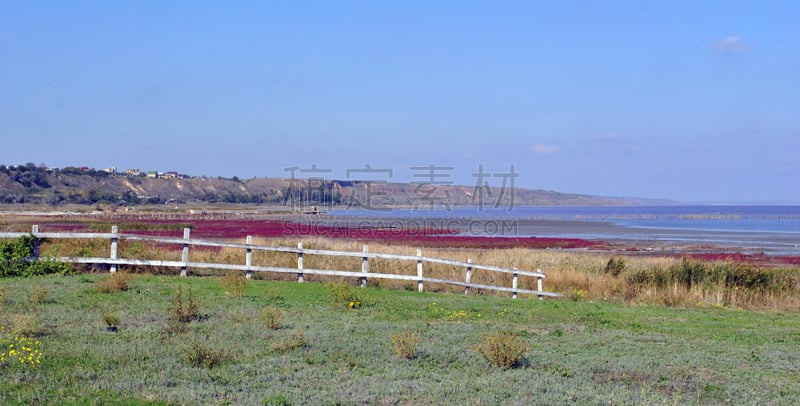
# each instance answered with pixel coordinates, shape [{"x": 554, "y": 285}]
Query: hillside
[{"x": 32, "y": 184}]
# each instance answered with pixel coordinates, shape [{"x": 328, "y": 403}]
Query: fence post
[
  {"x": 419, "y": 269},
  {"x": 185, "y": 253},
  {"x": 114, "y": 231},
  {"x": 300, "y": 262},
  {"x": 35, "y": 231},
  {"x": 539, "y": 284},
  {"x": 468, "y": 279},
  {"x": 364, "y": 267},
  {"x": 248, "y": 257},
  {"x": 514, "y": 281}
]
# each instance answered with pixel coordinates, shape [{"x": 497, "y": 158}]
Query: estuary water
[{"x": 756, "y": 228}]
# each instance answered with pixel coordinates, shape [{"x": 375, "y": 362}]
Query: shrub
[
  {"x": 272, "y": 317},
  {"x": 27, "y": 324},
  {"x": 184, "y": 312},
  {"x": 106, "y": 285},
  {"x": 118, "y": 281},
  {"x": 47, "y": 266},
  {"x": 200, "y": 356},
  {"x": 405, "y": 344},
  {"x": 615, "y": 266},
  {"x": 111, "y": 319},
  {"x": 502, "y": 349},
  {"x": 234, "y": 284},
  {"x": 578, "y": 295},
  {"x": 339, "y": 292},
  {"x": 38, "y": 294},
  {"x": 15, "y": 259},
  {"x": 347, "y": 295},
  {"x": 13, "y": 254},
  {"x": 295, "y": 340}
]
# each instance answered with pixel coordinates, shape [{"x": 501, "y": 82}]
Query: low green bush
[
  {"x": 111, "y": 319},
  {"x": 348, "y": 295},
  {"x": 16, "y": 255}
]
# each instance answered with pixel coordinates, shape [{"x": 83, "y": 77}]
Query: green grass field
[{"x": 328, "y": 353}]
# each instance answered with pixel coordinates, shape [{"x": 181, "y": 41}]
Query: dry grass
[
  {"x": 184, "y": 310},
  {"x": 405, "y": 344},
  {"x": 75, "y": 248},
  {"x": 293, "y": 341},
  {"x": 272, "y": 317},
  {"x": 27, "y": 324},
  {"x": 502, "y": 349},
  {"x": 234, "y": 284},
  {"x": 4, "y": 296},
  {"x": 116, "y": 282},
  {"x": 200, "y": 355},
  {"x": 38, "y": 295},
  {"x": 582, "y": 275}
]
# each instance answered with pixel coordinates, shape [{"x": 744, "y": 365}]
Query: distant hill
[{"x": 35, "y": 184}]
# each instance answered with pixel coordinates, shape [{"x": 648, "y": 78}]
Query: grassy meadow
[
  {"x": 629, "y": 330},
  {"x": 276, "y": 342}
]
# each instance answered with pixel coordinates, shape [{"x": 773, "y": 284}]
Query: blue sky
[{"x": 693, "y": 101}]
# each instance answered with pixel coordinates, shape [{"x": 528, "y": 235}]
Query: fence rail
[{"x": 113, "y": 261}]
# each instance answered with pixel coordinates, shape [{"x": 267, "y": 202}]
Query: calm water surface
[{"x": 771, "y": 228}]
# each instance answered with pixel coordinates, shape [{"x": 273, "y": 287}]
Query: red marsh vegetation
[
  {"x": 238, "y": 229},
  {"x": 234, "y": 229}
]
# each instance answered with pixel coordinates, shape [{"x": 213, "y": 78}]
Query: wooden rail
[{"x": 113, "y": 261}]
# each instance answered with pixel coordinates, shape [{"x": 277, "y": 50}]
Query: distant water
[
  {"x": 781, "y": 219},
  {"x": 774, "y": 229}
]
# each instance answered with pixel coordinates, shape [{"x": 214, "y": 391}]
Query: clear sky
[{"x": 690, "y": 100}]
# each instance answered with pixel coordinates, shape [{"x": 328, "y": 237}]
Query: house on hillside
[
  {"x": 152, "y": 174},
  {"x": 133, "y": 172},
  {"x": 171, "y": 175}
]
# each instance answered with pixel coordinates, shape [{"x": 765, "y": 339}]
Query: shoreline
[
  {"x": 776, "y": 242},
  {"x": 623, "y": 237}
]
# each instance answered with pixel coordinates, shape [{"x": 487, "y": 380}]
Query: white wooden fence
[{"x": 184, "y": 264}]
